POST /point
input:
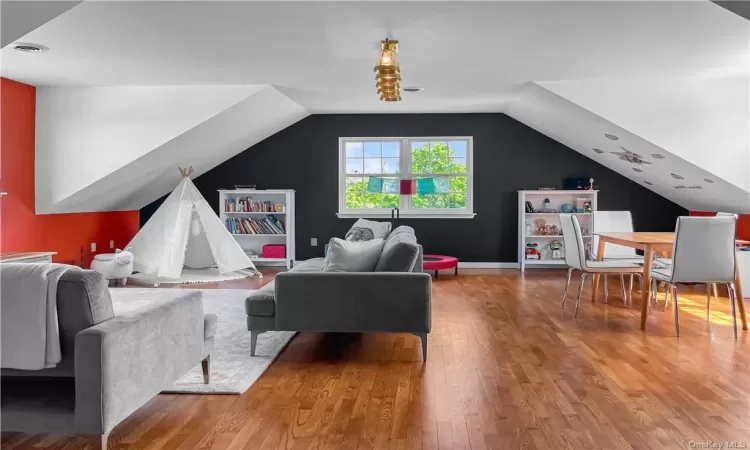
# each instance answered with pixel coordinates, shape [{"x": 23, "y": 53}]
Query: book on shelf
[
  {"x": 241, "y": 225},
  {"x": 247, "y": 204}
]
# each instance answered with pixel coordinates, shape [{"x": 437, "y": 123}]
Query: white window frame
[{"x": 405, "y": 207}]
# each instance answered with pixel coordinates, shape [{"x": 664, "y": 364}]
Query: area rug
[
  {"x": 191, "y": 276},
  {"x": 233, "y": 370}
]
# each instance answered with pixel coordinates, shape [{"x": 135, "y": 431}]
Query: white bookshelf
[
  {"x": 253, "y": 243},
  {"x": 556, "y": 200}
]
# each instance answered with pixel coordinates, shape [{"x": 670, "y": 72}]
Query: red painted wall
[
  {"x": 20, "y": 228},
  {"x": 743, "y": 223}
]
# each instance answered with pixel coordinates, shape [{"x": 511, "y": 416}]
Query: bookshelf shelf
[{"x": 230, "y": 200}]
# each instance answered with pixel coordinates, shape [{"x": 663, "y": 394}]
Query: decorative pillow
[
  {"x": 350, "y": 256},
  {"x": 359, "y": 234},
  {"x": 379, "y": 230}
]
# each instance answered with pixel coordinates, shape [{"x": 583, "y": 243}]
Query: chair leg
[
  {"x": 622, "y": 285},
  {"x": 716, "y": 291},
  {"x": 654, "y": 292},
  {"x": 733, "y": 301},
  {"x": 676, "y": 310},
  {"x": 606, "y": 289},
  {"x": 423, "y": 337},
  {"x": 580, "y": 293},
  {"x": 206, "y": 367},
  {"x": 708, "y": 302},
  {"x": 630, "y": 291},
  {"x": 567, "y": 285}
]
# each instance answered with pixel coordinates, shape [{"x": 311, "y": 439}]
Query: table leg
[
  {"x": 739, "y": 293},
  {"x": 595, "y": 279},
  {"x": 648, "y": 259}
]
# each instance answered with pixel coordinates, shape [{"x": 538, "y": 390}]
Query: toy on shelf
[
  {"x": 541, "y": 226},
  {"x": 587, "y": 206},
  {"x": 556, "y": 248},
  {"x": 546, "y": 206},
  {"x": 551, "y": 230},
  {"x": 567, "y": 208},
  {"x": 532, "y": 252}
]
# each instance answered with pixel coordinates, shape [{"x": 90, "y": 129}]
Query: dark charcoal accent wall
[{"x": 508, "y": 156}]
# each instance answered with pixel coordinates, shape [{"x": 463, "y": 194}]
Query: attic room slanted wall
[
  {"x": 508, "y": 156},
  {"x": 21, "y": 229}
]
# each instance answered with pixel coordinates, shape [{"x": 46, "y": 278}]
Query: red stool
[{"x": 440, "y": 262}]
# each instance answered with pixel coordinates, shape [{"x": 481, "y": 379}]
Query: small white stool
[{"x": 114, "y": 266}]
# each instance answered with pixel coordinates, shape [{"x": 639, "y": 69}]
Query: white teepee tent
[{"x": 185, "y": 232}]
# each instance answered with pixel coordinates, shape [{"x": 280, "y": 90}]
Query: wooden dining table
[{"x": 651, "y": 243}]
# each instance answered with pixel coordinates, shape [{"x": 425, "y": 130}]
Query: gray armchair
[{"x": 112, "y": 365}]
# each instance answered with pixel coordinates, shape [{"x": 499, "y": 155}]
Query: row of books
[
  {"x": 246, "y": 204},
  {"x": 269, "y": 225}
]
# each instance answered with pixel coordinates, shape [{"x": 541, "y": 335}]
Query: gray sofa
[
  {"x": 111, "y": 365},
  {"x": 395, "y": 298}
]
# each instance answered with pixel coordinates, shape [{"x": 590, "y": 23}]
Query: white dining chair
[
  {"x": 616, "y": 221},
  {"x": 703, "y": 253},
  {"x": 575, "y": 258},
  {"x": 709, "y": 287}
]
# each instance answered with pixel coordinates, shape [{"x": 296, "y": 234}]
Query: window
[{"x": 371, "y": 170}]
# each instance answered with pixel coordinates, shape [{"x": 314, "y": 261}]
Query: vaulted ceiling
[{"x": 666, "y": 78}]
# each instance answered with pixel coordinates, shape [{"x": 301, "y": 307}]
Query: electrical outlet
[
  {"x": 313, "y": 242},
  {"x": 93, "y": 246},
  {"x": 111, "y": 244}
]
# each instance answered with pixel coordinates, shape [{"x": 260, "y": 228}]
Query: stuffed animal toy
[{"x": 116, "y": 266}]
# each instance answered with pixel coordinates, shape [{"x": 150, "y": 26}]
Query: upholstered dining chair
[
  {"x": 575, "y": 258},
  {"x": 616, "y": 221},
  {"x": 703, "y": 253},
  {"x": 709, "y": 287}
]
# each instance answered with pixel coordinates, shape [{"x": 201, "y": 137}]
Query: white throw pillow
[
  {"x": 351, "y": 256},
  {"x": 380, "y": 230}
]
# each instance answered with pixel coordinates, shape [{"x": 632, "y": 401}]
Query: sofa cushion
[
  {"x": 261, "y": 302},
  {"x": 377, "y": 230},
  {"x": 400, "y": 251},
  {"x": 352, "y": 256}
]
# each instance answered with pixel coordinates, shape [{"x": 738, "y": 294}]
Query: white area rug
[
  {"x": 191, "y": 276},
  {"x": 233, "y": 370}
]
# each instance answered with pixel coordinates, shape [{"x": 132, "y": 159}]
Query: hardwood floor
[{"x": 506, "y": 369}]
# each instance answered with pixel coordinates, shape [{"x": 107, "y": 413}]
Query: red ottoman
[{"x": 440, "y": 262}]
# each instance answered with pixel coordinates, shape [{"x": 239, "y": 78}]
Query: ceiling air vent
[{"x": 412, "y": 89}]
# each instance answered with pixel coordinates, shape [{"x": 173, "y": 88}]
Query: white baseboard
[{"x": 487, "y": 265}]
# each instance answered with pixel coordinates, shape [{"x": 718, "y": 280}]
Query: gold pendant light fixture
[{"x": 387, "y": 72}]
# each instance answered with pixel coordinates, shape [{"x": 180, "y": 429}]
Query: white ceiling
[{"x": 468, "y": 57}]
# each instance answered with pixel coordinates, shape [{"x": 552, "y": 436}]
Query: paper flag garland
[
  {"x": 375, "y": 184},
  {"x": 425, "y": 186}
]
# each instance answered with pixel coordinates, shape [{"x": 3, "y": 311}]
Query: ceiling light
[
  {"x": 388, "y": 73},
  {"x": 29, "y": 48}
]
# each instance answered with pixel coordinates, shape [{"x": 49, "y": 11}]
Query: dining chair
[
  {"x": 709, "y": 287},
  {"x": 575, "y": 258},
  {"x": 615, "y": 221},
  {"x": 703, "y": 253}
]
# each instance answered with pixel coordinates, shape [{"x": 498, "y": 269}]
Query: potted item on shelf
[{"x": 532, "y": 252}]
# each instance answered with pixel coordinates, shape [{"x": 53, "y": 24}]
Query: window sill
[{"x": 410, "y": 215}]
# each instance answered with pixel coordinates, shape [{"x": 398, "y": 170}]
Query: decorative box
[{"x": 274, "y": 251}]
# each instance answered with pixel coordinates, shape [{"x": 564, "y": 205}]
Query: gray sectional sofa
[
  {"x": 111, "y": 365},
  {"x": 394, "y": 298}
]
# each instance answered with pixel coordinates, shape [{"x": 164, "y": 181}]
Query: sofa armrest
[
  {"x": 122, "y": 363},
  {"x": 353, "y": 301}
]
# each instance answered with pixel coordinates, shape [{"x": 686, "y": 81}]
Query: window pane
[
  {"x": 390, "y": 165},
  {"x": 458, "y": 148},
  {"x": 353, "y": 166},
  {"x": 353, "y": 149},
  {"x": 458, "y": 192},
  {"x": 355, "y": 189},
  {"x": 372, "y": 165},
  {"x": 372, "y": 200},
  {"x": 439, "y": 150},
  {"x": 372, "y": 149},
  {"x": 390, "y": 201},
  {"x": 440, "y": 165},
  {"x": 458, "y": 165},
  {"x": 391, "y": 150}
]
